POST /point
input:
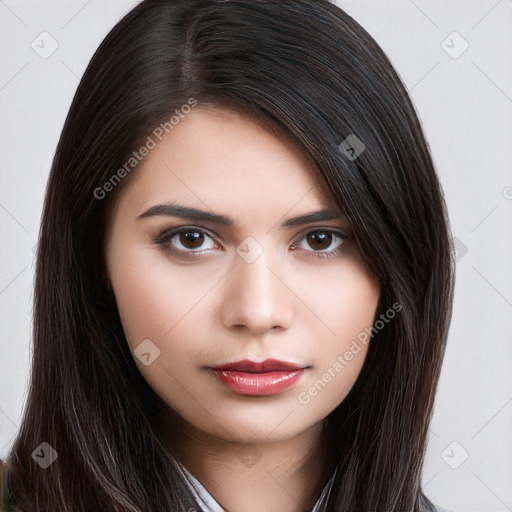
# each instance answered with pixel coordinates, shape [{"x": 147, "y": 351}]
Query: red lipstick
[{"x": 259, "y": 379}]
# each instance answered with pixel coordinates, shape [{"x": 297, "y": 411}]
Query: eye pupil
[
  {"x": 321, "y": 237},
  {"x": 191, "y": 236}
]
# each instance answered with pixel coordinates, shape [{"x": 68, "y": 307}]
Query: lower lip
[{"x": 259, "y": 384}]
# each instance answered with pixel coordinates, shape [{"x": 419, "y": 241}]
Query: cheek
[
  {"x": 162, "y": 303},
  {"x": 352, "y": 309},
  {"x": 348, "y": 299},
  {"x": 356, "y": 303},
  {"x": 154, "y": 297},
  {"x": 344, "y": 301}
]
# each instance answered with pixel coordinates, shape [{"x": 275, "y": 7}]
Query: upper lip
[{"x": 269, "y": 365}]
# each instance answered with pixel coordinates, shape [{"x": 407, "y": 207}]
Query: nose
[{"x": 256, "y": 297}]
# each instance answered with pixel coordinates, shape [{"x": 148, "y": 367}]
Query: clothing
[
  {"x": 204, "y": 498},
  {"x": 208, "y": 503}
]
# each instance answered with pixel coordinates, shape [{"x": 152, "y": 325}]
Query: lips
[
  {"x": 267, "y": 378},
  {"x": 269, "y": 365}
]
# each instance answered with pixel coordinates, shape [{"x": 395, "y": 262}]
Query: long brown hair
[{"x": 307, "y": 69}]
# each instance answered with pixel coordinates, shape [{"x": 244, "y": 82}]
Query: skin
[{"x": 215, "y": 307}]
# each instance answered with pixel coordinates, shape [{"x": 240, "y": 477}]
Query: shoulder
[{"x": 6, "y": 498}]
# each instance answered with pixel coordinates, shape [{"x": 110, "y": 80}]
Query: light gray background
[{"x": 465, "y": 103}]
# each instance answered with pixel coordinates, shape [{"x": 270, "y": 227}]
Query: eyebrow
[{"x": 185, "y": 212}]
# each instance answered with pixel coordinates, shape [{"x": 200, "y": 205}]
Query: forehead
[{"x": 225, "y": 161}]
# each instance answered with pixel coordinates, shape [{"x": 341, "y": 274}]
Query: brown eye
[
  {"x": 191, "y": 239},
  {"x": 185, "y": 241},
  {"x": 319, "y": 240}
]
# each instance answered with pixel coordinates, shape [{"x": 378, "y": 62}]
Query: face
[{"x": 247, "y": 279}]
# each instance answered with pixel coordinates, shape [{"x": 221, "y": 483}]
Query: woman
[{"x": 194, "y": 347}]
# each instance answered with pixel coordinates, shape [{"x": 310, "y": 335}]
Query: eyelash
[{"x": 164, "y": 238}]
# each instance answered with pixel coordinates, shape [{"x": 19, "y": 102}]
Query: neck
[{"x": 275, "y": 476}]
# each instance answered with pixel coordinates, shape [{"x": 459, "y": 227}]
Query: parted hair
[{"x": 308, "y": 70}]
